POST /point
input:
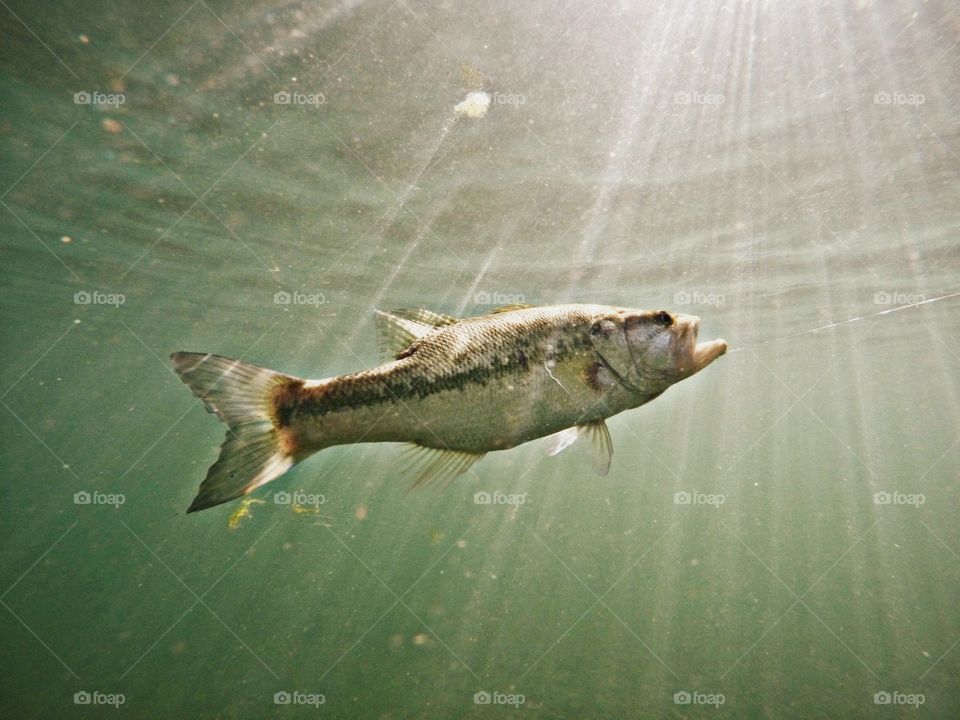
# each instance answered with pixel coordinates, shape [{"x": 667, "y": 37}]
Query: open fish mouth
[{"x": 691, "y": 356}]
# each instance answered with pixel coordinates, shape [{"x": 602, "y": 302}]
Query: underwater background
[{"x": 778, "y": 535}]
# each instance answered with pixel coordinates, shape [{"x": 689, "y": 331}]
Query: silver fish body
[{"x": 455, "y": 388}]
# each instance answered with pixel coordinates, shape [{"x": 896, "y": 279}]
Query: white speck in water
[{"x": 475, "y": 105}]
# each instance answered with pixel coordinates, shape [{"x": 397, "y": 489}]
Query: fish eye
[{"x": 663, "y": 318}]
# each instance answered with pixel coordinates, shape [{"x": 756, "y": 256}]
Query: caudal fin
[{"x": 244, "y": 397}]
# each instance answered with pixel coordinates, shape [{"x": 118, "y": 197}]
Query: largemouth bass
[{"x": 454, "y": 388}]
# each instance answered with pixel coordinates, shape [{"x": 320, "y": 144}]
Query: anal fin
[
  {"x": 435, "y": 466},
  {"x": 599, "y": 444}
]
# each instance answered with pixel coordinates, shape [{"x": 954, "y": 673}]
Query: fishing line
[{"x": 847, "y": 322}]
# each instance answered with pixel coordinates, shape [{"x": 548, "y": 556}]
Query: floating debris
[
  {"x": 475, "y": 105},
  {"x": 242, "y": 512},
  {"x": 472, "y": 78}
]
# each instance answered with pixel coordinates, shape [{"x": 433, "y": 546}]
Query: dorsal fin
[
  {"x": 511, "y": 307},
  {"x": 426, "y": 317},
  {"x": 396, "y": 334}
]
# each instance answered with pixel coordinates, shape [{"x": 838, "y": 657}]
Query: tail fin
[{"x": 243, "y": 396}]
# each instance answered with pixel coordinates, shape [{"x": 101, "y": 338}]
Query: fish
[{"x": 453, "y": 389}]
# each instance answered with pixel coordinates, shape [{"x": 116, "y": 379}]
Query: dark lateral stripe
[{"x": 363, "y": 391}]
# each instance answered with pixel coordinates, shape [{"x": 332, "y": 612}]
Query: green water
[{"x": 734, "y": 160}]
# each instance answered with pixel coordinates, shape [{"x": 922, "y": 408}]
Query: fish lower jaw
[
  {"x": 706, "y": 352},
  {"x": 698, "y": 356}
]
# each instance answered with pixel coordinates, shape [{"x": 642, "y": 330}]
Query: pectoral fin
[
  {"x": 435, "y": 466},
  {"x": 599, "y": 444}
]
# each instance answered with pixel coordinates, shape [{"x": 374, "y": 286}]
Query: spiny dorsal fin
[
  {"x": 436, "y": 466},
  {"x": 427, "y": 317},
  {"x": 396, "y": 334},
  {"x": 511, "y": 308},
  {"x": 599, "y": 446}
]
